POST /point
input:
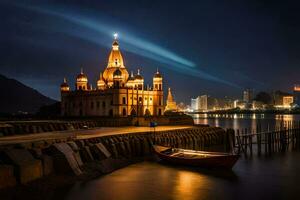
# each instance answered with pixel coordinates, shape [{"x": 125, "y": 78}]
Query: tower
[
  {"x": 81, "y": 81},
  {"x": 130, "y": 81},
  {"x": 157, "y": 81},
  {"x": 115, "y": 61},
  {"x": 101, "y": 83},
  {"x": 64, "y": 87},
  {"x": 171, "y": 104},
  {"x": 139, "y": 80}
]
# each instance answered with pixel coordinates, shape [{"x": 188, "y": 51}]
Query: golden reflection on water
[
  {"x": 188, "y": 184},
  {"x": 284, "y": 117}
]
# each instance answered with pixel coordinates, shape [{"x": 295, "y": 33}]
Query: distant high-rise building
[
  {"x": 282, "y": 99},
  {"x": 248, "y": 95},
  {"x": 207, "y": 103},
  {"x": 195, "y": 104}
]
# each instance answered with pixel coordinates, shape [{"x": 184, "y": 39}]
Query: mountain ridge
[{"x": 17, "y": 97}]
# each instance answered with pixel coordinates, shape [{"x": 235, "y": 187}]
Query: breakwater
[
  {"x": 8, "y": 128},
  {"x": 29, "y": 162}
]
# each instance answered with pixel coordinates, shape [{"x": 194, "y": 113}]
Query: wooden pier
[{"x": 284, "y": 137}]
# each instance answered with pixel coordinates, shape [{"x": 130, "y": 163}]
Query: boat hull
[{"x": 225, "y": 161}]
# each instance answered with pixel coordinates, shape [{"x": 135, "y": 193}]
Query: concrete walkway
[{"x": 82, "y": 134}]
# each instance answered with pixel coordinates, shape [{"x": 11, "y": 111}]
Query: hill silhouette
[{"x": 16, "y": 98}]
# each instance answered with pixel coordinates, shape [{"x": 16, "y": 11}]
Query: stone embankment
[
  {"x": 8, "y": 128},
  {"x": 24, "y": 163}
]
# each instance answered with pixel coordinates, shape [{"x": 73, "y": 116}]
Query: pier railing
[{"x": 282, "y": 138}]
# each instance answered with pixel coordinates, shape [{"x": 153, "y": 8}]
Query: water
[
  {"x": 249, "y": 121},
  {"x": 259, "y": 178},
  {"x": 265, "y": 177}
]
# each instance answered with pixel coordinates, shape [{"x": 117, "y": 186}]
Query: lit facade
[
  {"x": 248, "y": 95},
  {"x": 117, "y": 93},
  {"x": 171, "y": 104},
  {"x": 297, "y": 95},
  {"x": 287, "y": 101}
]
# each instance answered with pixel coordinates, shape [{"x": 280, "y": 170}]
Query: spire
[
  {"x": 115, "y": 58},
  {"x": 115, "y": 44},
  {"x": 138, "y": 72},
  {"x": 170, "y": 97},
  {"x": 65, "y": 80},
  {"x": 171, "y": 104},
  {"x": 157, "y": 72},
  {"x": 116, "y": 36},
  {"x": 131, "y": 74},
  {"x": 81, "y": 70},
  {"x": 100, "y": 76}
]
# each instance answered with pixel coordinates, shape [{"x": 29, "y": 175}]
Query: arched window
[
  {"x": 159, "y": 111},
  {"x": 147, "y": 112},
  {"x": 110, "y": 112},
  {"x": 103, "y": 104},
  {"x": 124, "y": 112},
  {"x": 133, "y": 112},
  {"x": 124, "y": 100}
]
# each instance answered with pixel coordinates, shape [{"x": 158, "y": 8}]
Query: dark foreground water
[
  {"x": 274, "y": 177},
  {"x": 271, "y": 177}
]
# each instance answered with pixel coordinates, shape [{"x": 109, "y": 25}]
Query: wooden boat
[{"x": 196, "y": 158}]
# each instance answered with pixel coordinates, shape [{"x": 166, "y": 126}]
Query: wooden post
[
  {"x": 239, "y": 141},
  {"x": 258, "y": 138},
  {"x": 250, "y": 143}
]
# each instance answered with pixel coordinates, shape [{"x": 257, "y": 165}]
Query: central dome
[{"x": 115, "y": 62}]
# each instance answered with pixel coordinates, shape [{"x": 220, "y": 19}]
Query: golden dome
[
  {"x": 138, "y": 76},
  {"x": 64, "y": 86},
  {"x": 157, "y": 75},
  {"x": 81, "y": 77},
  {"x": 115, "y": 62},
  {"x": 115, "y": 58}
]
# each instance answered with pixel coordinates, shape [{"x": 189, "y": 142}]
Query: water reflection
[
  {"x": 249, "y": 121},
  {"x": 258, "y": 178},
  {"x": 187, "y": 183}
]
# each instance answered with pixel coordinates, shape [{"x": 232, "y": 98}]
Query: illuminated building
[
  {"x": 207, "y": 103},
  {"x": 257, "y": 105},
  {"x": 297, "y": 95},
  {"x": 116, "y": 94},
  {"x": 287, "y": 101},
  {"x": 239, "y": 104},
  {"x": 171, "y": 104},
  {"x": 283, "y": 100},
  {"x": 248, "y": 95},
  {"x": 195, "y": 104}
]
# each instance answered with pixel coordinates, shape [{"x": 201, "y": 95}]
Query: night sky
[{"x": 201, "y": 47}]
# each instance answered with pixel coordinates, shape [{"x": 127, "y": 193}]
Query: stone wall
[
  {"x": 23, "y": 163},
  {"x": 28, "y": 127}
]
